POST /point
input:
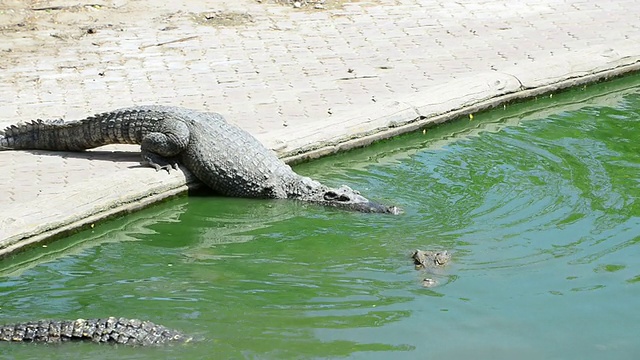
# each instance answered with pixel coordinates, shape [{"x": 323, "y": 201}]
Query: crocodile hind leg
[{"x": 161, "y": 147}]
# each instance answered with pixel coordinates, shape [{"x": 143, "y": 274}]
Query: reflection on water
[
  {"x": 542, "y": 218},
  {"x": 126, "y": 229}
]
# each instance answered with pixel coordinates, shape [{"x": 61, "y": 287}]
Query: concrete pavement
[{"x": 307, "y": 82}]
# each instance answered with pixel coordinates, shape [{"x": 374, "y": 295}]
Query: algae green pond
[{"x": 539, "y": 204}]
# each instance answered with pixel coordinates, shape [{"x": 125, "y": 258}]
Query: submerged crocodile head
[
  {"x": 306, "y": 189},
  {"x": 347, "y": 198}
]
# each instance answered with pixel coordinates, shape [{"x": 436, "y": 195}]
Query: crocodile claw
[
  {"x": 160, "y": 163},
  {"x": 167, "y": 167}
]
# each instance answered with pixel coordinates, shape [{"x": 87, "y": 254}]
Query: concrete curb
[
  {"x": 123, "y": 197},
  {"x": 452, "y": 100}
]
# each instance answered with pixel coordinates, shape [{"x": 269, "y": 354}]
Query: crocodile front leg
[{"x": 160, "y": 147}]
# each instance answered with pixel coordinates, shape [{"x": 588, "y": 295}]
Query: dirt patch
[
  {"x": 316, "y": 4},
  {"x": 222, "y": 18},
  {"x": 16, "y": 16},
  {"x": 310, "y": 4}
]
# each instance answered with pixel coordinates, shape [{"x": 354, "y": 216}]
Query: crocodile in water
[
  {"x": 430, "y": 260},
  {"x": 224, "y": 157},
  {"x": 108, "y": 330}
]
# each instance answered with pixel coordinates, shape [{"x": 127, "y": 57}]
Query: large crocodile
[
  {"x": 224, "y": 157},
  {"x": 108, "y": 330}
]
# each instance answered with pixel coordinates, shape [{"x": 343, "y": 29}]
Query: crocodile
[
  {"x": 424, "y": 259},
  {"x": 430, "y": 260},
  {"x": 224, "y": 157},
  {"x": 108, "y": 330}
]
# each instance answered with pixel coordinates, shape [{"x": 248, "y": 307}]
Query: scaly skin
[
  {"x": 224, "y": 157},
  {"x": 109, "y": 330},
  {"x": 429, "y": 260},
  {"x": 424, "y": 259}
]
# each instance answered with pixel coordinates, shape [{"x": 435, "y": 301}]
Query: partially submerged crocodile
[
  {"x": 109, "y": 330},
  {"x": 424, "y": 259},
  {"x": 224, "y": 157},
  {"x": 429, "y": 260}
]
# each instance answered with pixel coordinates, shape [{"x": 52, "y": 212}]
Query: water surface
[{"x": 538, "y": 203}]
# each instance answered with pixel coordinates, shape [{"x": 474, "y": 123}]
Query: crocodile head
[{"x": 346, "y": 198}]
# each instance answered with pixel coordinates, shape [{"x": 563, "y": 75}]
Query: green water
[{"x": 537, "y": 202}]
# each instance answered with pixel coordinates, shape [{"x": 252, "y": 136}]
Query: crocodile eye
[
  {"x": 333, "y": 196},
  {"x": 330, "y": 195}
]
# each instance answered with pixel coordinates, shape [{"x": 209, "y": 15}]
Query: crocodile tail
[
  {"x": 46, "y": 135},
  {"x": 124, "y": 126},
  {"x": 108, "y": 330},
  {"x": 4, "y": 142}
]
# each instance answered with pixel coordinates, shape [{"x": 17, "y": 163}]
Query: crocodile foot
[{"x": 158, "y": 162}]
